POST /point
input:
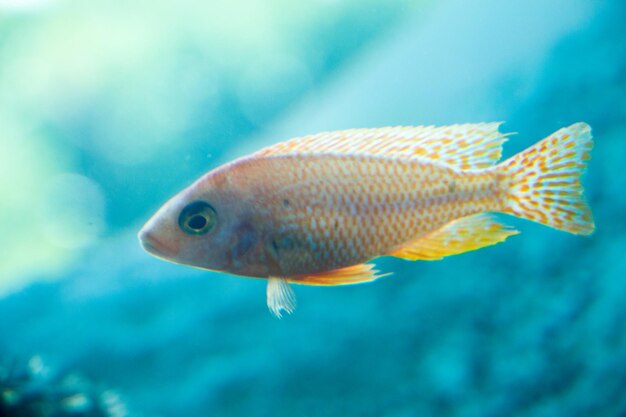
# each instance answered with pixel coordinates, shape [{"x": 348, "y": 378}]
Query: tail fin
[{"x": 542, "y": 183}]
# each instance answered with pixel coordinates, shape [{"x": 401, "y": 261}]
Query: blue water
[{"x": 107, "y": 110}]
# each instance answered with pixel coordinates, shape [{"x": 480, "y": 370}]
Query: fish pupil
[
  {"x": 197, "y": 218},
  {"x": 197, "y": 222}
]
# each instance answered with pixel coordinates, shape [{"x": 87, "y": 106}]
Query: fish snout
[{"x": 155, "y": 245}]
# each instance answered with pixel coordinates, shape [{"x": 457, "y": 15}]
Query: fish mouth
[{"x": 155, "y": 246}]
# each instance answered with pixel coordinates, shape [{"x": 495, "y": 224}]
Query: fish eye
[{"x": 197, "y": 218}]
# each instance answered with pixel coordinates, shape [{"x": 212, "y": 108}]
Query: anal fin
[
  {"x": 280, "y": 296},
  {"x": 354, "y": 274},
  {"x": 459, "y": 236}
]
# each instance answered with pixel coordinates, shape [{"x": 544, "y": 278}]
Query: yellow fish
[{"x": 313, "y": 210}]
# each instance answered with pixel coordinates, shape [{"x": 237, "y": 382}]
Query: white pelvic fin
[{"x": 280, "y": 297}]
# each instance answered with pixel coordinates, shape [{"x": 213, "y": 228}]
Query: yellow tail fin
[{"x": 542, "y": 183}]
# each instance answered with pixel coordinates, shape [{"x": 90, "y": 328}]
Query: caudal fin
[{"x": 542, "y": 183}]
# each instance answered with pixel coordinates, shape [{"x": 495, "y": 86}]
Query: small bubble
[
  {"x": 72, "y": 212},
  {"x": 282, "y": 77}
]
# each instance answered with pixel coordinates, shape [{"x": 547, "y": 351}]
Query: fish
[{"x": 317, "y": 209}]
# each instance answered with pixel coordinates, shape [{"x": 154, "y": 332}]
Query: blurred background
[{"x": 108, "y": 108}]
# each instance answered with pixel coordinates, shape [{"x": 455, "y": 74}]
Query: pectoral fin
[{"x": 459, "y": 236}]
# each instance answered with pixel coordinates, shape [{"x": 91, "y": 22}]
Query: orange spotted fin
[
  {"x": 542, "y": 183},
  {"x": 355, "y": 274},
  {"x": 462, "y": 235},
  {"x": 464, "y": 146}
]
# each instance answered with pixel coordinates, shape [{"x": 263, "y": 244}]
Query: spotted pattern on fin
[
  {"x": 465, "y": 146},
  {"x": 459, "y": 236},
  {"x": 542, "y": 183}
]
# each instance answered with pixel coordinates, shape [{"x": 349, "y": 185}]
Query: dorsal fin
[
  {"x": 355, "y": 274},
  {"x": 465, "y": 146},
  {"x": 459, "y": 236}
]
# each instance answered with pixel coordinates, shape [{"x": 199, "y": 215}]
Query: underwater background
[{"x": 108, "y": 108}]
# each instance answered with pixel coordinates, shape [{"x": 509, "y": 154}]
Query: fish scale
[{"x": 380, "y": 205}]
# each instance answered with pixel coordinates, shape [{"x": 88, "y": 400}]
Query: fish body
[
  {"x": 322, "y": 212},
  {"x": 315, "y": 209}
]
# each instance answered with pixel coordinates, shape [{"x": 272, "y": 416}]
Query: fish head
[{"x": 207, "y": 225}]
